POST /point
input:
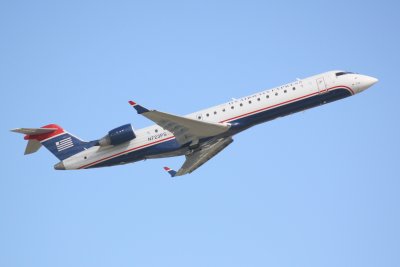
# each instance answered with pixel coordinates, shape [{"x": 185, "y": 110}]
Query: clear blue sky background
[{"x": 320, "y": 188}]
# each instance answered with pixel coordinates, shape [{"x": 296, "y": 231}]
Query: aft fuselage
[{"x": 241, "y": 114}]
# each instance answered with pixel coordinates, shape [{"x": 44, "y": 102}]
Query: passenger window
[
  {"x": 276, "y": 93},
  {"x": 258, "y": 99},
  {"x": 232, "y": 107},
  {"x": 285, "y": 91},
  {"x": 294, "y": 88},
  {"x": 215, "y": 113},
  {"x": 241, "y": 104},
  {"x": 249, "y": 101},
  {"x": 267, "y": 96},
  {"x": 207, "y": 115}
]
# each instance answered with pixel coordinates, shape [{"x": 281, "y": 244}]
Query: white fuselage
[{"x": 237, "y": 110}]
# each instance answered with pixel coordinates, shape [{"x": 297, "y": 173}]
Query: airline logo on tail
[{"x": 64, "y": 144}]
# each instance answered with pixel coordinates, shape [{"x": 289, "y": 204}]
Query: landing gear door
[{"x": 321, "y": 85}]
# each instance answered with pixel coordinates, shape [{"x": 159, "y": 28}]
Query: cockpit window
[{"x": 343, "y": 73}]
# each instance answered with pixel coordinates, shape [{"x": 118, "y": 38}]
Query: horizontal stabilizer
[
  {"x": 34, "y": 131},
  {"x": 32, "y": 146}
]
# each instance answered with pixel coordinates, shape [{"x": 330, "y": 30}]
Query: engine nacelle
[{"x": 118, "y": 136}]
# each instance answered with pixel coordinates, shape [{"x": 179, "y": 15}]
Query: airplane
[{"x": 198, "y": 136}]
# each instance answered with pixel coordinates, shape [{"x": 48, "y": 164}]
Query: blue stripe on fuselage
[
  {"x": 138, "y": 155},
  {"x": 238, "y": 125},
  {"x": 290, "y": 108}
]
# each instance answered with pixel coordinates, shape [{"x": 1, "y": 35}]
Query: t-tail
[{"x": 58, "y": 141}]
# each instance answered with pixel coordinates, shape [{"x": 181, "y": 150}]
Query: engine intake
[{"x": 118, "y": 136}]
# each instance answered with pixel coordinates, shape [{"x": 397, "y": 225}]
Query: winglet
[
  {"x": 170, "y": 171},
  {"x": 140, "y": 109}
]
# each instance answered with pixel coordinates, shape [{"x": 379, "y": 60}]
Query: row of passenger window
[{"x": 250, "y": 102}]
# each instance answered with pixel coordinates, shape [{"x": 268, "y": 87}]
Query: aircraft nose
[
  {"x": 366, "y": 82},
  {"x": 369, "y": 81},
  {"x": 59, "y": 166}
]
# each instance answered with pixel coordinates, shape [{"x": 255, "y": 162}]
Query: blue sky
[{"x": 319, "y": 188}]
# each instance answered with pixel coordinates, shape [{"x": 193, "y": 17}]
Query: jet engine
[{"x": 118, "y": 136}]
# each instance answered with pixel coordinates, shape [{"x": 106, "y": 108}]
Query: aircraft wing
[
  {"x": 185, "y": 129},
  {"x": 200, "y": 156}
]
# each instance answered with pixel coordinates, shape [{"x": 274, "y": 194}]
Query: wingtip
[
  {"x": 170, "y": 171},
  {"x": 140, "y": 109}
]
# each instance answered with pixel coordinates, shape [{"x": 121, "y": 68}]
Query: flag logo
[{"x": 64, "y": 144}]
